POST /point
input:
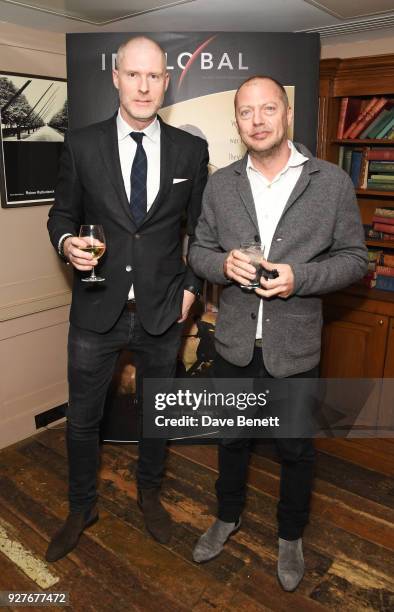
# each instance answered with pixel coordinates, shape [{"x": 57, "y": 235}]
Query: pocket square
[{"x": 179, "y": 180}]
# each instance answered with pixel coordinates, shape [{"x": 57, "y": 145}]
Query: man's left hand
[
  {"x": 188, "y": 299},
  {"x": 282, "y": 287}
]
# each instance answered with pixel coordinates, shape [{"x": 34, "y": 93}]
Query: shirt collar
[
  {"x": 152, "y": 131},
  {"x": 296, "y": 159}
]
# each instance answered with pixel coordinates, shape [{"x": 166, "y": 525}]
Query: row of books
[
  {"x": 380, "y": 273},
  {"x": 366, "y": 118},
  {"x": 369, "y": 167}
]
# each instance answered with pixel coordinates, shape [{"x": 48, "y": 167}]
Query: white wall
[{"x": 34, "y": 290}]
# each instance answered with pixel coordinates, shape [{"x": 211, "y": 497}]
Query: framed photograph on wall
[{"x": 33, "y": 121}]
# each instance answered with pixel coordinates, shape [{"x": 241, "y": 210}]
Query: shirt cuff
[{"x": 59, "y": 244}]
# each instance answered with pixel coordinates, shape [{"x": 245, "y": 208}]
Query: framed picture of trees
[{"x": 33, "y": 121}]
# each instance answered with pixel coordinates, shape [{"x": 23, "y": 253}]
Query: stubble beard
[{"x": 272, "y": 151}]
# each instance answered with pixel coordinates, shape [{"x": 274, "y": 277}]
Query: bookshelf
[
  {"x": 358, "y": 334},
  {"x": 355, "y": 95}
]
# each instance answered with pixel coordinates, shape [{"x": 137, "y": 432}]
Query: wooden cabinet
[{"x": 354, "y": 343}]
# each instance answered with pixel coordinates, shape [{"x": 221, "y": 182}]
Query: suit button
[
  {"x": 136, "y": 236},
  {"x": 267, "y": 320},
  {"x": 278, "y": 239},
  {"x": 128, "y": 268},
  {"x": 257, "y": 238},
  {"x": 252, "y": 316}
]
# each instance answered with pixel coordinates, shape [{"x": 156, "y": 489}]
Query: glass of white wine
[{"x": 94, "y": 237}]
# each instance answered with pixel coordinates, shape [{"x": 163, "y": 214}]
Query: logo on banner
[{"x": 207, "y": 61}]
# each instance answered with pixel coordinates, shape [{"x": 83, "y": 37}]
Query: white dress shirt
[
  {"x": 127, "y": 149},
  {"x": 270, "y": 198}
]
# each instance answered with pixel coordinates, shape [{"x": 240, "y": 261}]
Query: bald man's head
[
  {"x": 263, "y": 77},
  {"x": 139, "y": 42},
  {"x": 141, "y": 79}
]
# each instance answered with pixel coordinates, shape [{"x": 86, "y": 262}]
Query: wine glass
[
  {"x": 94, "y": 237},
  {"x": 254, "y": 250}
]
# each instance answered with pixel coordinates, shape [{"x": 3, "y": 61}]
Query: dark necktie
[{"x": 138, "y": 180}]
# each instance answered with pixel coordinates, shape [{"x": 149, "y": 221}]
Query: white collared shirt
[
  {"x": 127, "y": 148},
  {"x": 270, "y": 198}
]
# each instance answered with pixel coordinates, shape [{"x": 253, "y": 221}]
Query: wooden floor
[{"x": 348, "y": 545}]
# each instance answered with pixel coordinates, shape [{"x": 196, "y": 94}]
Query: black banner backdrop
[
  {"x": 200, "y": 64},
  {"x": 205, "y": 70}
]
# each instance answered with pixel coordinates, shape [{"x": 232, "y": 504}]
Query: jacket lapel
[
  {"x": 245, "y": 190},
  {"x": 109, "y": 150},
  {"x": 310, "y": 167}
]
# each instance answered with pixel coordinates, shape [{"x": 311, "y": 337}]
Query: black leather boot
[
  {"x": 66, "y": 539},
  {"x": 157, "y": 520}
]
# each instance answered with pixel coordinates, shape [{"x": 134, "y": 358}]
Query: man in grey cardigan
[{"x": 305, "y": 212}]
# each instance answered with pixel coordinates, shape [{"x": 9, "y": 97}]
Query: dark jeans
[
  {"x": 91, "y": 362},
  {"x": 297, "y": 463}
]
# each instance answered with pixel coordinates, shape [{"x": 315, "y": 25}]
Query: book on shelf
[
  {"x": 347, "y": 159},
  {"x": 386, "y": 128},
  {"x": 384, "y": 178},
  {"x": 385, "y": 282},
  {"x": 371, "y": 111},
  {"x": 379, "y": 124},
  {"x": 386, "y": 259},
  {"x": 355, "y": 163},
  {"x": 383, "y": 167},
  {"x": 372, "y": 234},
  {"x": 349, "y": 111},
  {"x": 364, "y": 117},
  {"x": 358, "y": 116},
  {"x": 385, "y": 270},
  {"x": 355, "y": 166},
  {"x": 379, "y": 186},
  {"x": 369, "y": 280},
  {"x": 363, "y": 177},
  {"x": 374, "y": 124},
  {"x": 374, "y": 256},
  {"x": 365, "y": 109},
  {"x": 383, "y": 227},
  {"x": 342, "y": 117},
  {"x": 380, "y": 154},
  {"x": 381, "y": 219},
  {"x": 384, "y": 212}
]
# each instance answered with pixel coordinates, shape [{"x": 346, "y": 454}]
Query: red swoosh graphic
[{"x": 193, "y": 57}]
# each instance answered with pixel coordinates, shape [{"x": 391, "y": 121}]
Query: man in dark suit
[{"x": 139, "y": 178}]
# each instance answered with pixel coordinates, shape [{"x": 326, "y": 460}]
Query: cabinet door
[
  {"x": 386, "y": 413},
  {"x": 354, "y": 343},
  {"x": 389, "y": 364}
]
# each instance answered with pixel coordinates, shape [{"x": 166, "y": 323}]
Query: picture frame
[{"x": 33, "y": 122}]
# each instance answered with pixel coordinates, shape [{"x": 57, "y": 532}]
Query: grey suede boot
[
  {"x": 211, "y": 543},
  {"x": 290, "y": 563}
]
